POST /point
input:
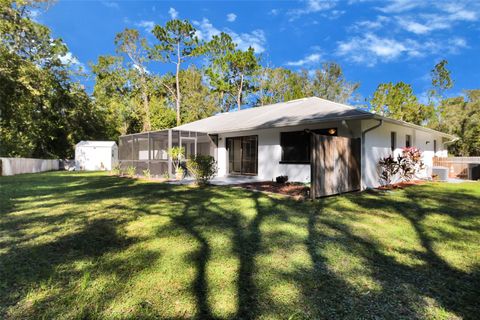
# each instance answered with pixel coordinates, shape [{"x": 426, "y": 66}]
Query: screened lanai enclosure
[{"x": 149, "y": 150}]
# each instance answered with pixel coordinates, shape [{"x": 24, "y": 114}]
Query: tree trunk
[
  {"x": 146, "y": 121},
  {"x": 177, "y": 82},
  {"x": 239, "y": 95}
]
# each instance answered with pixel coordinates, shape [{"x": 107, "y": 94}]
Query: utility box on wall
[{"x": 96, "y": 155}]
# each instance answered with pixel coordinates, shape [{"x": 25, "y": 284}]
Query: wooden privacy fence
[
  {"x": 335, "y": 165},
  {"x": 458, "y": 167}
]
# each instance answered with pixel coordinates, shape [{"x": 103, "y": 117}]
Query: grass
[{"x": 87, "y": 245}]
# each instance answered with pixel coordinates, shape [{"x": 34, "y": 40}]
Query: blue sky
[{"x": 374, "y": 41}]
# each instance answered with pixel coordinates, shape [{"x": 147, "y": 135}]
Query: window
[
  {"x": 408, "y": 141},
  {"x": 393, "y": 140},
  {"x": 296, "y": 145},
  {"x": 434, "y": 147}
]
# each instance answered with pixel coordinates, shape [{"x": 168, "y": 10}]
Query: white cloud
[
  {"x": 363, "y": 25},
  {"x": 370, "y": 49},
  {"x": 141, "y": 68},
  {"x": 70, "y": 60},
  {"x": 274, "y": 12},
  {"x": 205, "y": 29},
  {"x": 398, "y": 6},
  {"x": 441, "y": 14},
  {"x": 310, "y": 59},
  {"x": 34, "y": 14},
  {"x": 173, "y": 13},
  {"x": 231, "y": 17},
  {"x": 255, "y": 39},
  {"x": 386, "y": 38},
  {"x": 110, "y": 4},
  {"x": 458, "y": 11},
  {"x": 311, "y": 6},
  {"x": 334, "y": 14},
  {"x": 416, "y": 27},
  {"x": 147, "y": 25},
  {"x": 426, "y": 23}
]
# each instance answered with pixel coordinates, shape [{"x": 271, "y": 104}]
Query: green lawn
[{"x": 87, "y": 245}]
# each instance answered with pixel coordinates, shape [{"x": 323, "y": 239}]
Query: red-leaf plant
[{"x": 406, "y": 165}]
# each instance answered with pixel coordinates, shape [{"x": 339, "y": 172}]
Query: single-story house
[
  {"x": 95, "y": 155},
  {"x": 274, "y": 140}
]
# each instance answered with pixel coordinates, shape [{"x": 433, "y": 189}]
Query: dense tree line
[
  {"x": 457, "y": 115},
  {"x": 44, "y": 112},
  {"x": 209, "y": 77}
]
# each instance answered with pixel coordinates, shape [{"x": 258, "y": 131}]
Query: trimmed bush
[
  {"x": 131, "y": 171},
  {"x": 202, "y": 168},
  {"x": 146, "y": 173},
  {"x": 116, "y": 170}
]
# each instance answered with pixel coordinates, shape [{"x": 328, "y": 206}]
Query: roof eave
[
  {"x": 415, "y": 126},
  {"x": 281, "y": 125}
]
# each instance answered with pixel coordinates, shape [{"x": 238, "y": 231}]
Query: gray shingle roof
[{"x": 301, "y": 111}]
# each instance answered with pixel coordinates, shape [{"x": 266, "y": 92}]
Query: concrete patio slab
[{"x": 220, "y": 181}]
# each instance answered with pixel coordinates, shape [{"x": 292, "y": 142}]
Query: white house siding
[
  {"x": 377, "y": 145},
  {"x": 270, "y": 152}
]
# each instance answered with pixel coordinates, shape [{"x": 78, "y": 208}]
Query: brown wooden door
[{"x": 335, "y": 165}]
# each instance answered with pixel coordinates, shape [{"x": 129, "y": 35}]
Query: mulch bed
[
  {"x": 297, "y": 191},
  {"x": 402, "y": 185}
]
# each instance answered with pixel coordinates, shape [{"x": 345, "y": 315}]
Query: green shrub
[
  {"x": 146, "y": 173},
  {"x": 165, "y": 175},
  {"x": 131, "y": 171},
  {"x": 203, "y": 168},
  {"x": 116, "y": 170}
]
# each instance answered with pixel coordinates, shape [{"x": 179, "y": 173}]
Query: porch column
[
  {"x": 149, "y": 157},
  {"x": 170, "y": 174}
]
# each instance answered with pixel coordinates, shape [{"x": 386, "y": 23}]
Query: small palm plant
[{"x": 177, "y": 154}]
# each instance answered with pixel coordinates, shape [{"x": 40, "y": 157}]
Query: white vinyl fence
[{"x": 13, "y": 166}]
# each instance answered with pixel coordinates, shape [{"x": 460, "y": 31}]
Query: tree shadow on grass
[
  {"x": 403, "y": 287},
  {"x": 200, "y": 217},
  {"x": 27, "y": 267},
  {"x": 194, "y": 212}
]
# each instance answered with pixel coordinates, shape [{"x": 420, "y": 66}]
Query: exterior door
[
  {"x": 189, "y": 146},
  {"x": 243, "y": 155}
]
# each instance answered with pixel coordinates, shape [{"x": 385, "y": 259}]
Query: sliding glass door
[{"x": 243, "y": 155}]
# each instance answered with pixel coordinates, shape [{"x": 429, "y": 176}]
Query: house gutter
[{"x": 379, "y": 124}]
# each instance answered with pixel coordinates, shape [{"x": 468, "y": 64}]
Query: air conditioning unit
[
  {"x": 441, "y": 173},
  {"x": 473, "y": 171}
]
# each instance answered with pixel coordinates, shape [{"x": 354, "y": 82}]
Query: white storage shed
[{"x": 95, "y": 155}]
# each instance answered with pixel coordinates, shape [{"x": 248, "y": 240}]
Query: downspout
[{"x": 362, "y": 161}]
